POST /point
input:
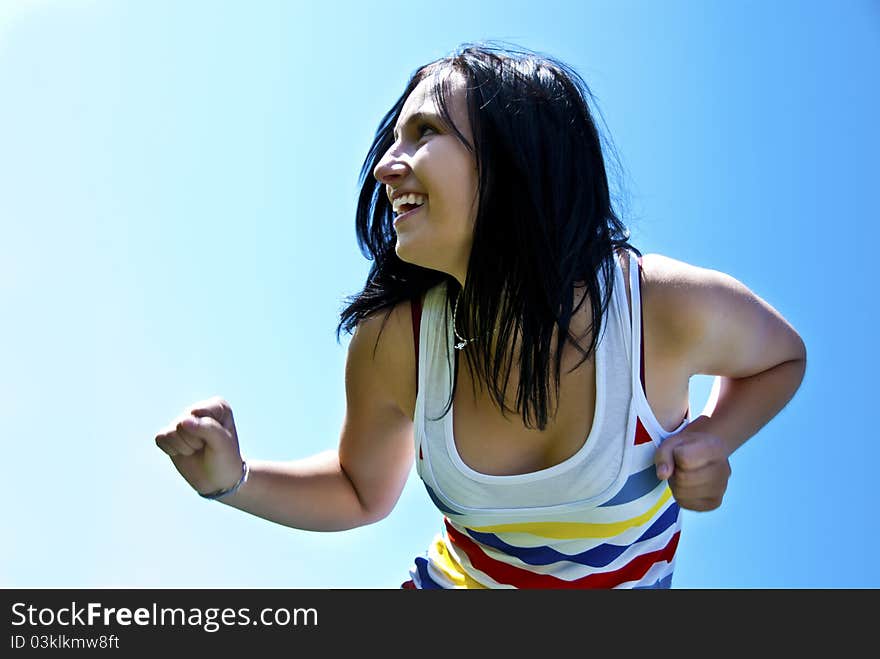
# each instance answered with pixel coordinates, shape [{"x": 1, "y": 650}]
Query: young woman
[{"x": 560, "y": 449}]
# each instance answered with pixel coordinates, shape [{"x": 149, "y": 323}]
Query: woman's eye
[{"x": 422, "y": 127}]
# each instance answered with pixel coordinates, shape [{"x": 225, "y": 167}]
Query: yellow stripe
[
  {"x": 441, "y": 559},
  {"x": 574, "y": 530}
]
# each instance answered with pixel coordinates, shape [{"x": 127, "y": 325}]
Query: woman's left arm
[{"x": 717, "y": 326}]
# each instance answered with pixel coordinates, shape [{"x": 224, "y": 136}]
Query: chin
[{"x": 406, "y": 254}]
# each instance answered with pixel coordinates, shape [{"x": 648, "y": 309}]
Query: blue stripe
[
  {"x": 443, "y": 508},
  {"x": 667, "y": 519},
  {"x": 665, "y": 582},
  {"x": 599, "y": 556},
  {"x": 636, "y": 486},
  {"x": 425, "y": 580}
]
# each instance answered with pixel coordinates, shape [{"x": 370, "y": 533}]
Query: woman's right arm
[{"x": 356, "y": 484}]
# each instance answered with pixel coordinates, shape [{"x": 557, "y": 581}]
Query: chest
[{"x": 501, "y": 444}]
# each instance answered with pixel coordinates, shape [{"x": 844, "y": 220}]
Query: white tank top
[{"x": 600, "y": 518}]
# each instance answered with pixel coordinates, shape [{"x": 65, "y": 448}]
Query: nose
[{"x": 392, "y": 168}]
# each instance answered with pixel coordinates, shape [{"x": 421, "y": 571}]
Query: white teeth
[{"x": 411, "y": 198}]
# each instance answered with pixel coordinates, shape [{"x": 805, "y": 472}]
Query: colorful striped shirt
[{"x": 599, "y": 519}]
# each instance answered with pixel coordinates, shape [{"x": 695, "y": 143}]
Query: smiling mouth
[{"x": 407, "y": 214}]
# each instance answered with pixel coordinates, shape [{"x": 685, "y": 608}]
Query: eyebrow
[{"x": 416, "y": 117}]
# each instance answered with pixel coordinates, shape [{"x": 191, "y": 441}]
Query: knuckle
[{"x": 687, "y": 462}]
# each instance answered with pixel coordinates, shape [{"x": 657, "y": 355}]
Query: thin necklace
[{"x": 462, "y": 341}]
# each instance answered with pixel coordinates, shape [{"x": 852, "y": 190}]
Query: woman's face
[{"x": 427, "y": 158}]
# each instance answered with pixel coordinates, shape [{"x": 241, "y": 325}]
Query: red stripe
[
  {"x": 520, "y": 578},
  {"x": 408, "y": 585},
  {"x": 642, "y": 436}
]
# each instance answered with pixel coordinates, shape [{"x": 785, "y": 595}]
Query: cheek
[
  {"x": 453, "y": 216},
  {"x": 463, "y": 189},
  {"x": 469, "y": 184}
]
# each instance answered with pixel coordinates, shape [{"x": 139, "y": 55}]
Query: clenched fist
[
  {"x": 203, "y": 445},
  {"x": 696, "y": 465}
]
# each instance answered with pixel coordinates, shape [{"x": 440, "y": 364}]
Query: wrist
[
  {"x": 229, "y": 491},
  {"x": 705, "y": 423}
]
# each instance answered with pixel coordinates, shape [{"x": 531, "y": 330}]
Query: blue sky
[{"x": 177, "y": 192}]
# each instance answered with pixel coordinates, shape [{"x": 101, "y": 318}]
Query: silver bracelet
[{"x": 219, "y": 494}]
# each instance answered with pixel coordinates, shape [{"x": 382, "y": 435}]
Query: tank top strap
[
  {"x": 638, "y": 327},
  {"x": 416, "y": 308},
  {"x": 636, "y": 315}
]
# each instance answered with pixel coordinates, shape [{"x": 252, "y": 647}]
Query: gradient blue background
[{"x": 178, "y": 183}]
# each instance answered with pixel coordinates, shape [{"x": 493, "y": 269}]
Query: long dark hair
[{"x": 544, "y": 220}]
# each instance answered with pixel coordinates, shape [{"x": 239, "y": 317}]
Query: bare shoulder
[
  {"x": 668, "y": 288},
  {"x": 713, "y": 322},
  {"x": 376, "y": 439},
  {"x": 383, "y": 345}
]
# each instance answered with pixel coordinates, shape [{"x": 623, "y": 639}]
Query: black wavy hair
[{"x": 544, "y": 220}]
